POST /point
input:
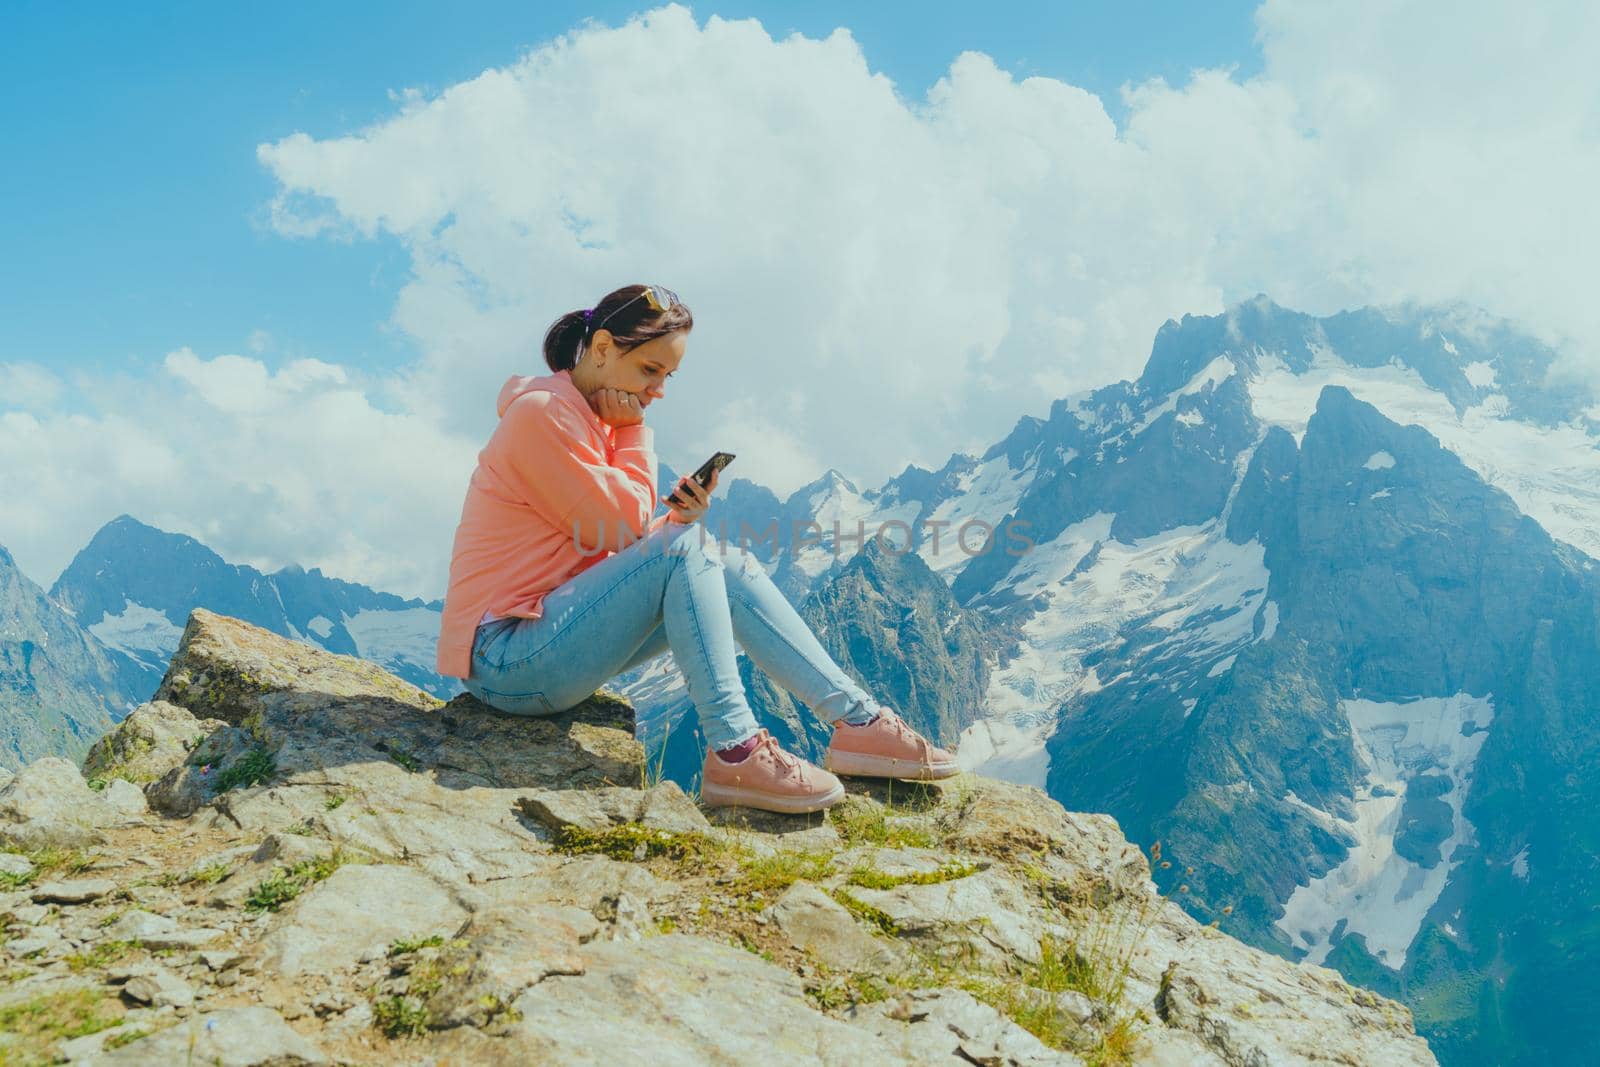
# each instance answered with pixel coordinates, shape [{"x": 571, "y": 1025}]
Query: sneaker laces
[
  {"x": 786, "y": 761},
  {"x": 903, "y": 728}
]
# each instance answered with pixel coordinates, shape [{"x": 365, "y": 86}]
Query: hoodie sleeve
[{"x": 555, "y": 462}]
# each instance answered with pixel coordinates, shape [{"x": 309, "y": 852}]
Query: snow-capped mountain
[
  {"x": 133, "y": 587},
  {"x": 1312, "y": 602}
]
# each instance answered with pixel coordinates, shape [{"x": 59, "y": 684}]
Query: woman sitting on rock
[{"x": 560, "y": 578}]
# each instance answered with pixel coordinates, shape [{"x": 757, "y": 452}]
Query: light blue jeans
[{"x": 675, "y": 588}]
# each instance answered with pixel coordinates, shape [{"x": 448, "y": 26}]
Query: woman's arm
[{"x": 557, "y": 463}]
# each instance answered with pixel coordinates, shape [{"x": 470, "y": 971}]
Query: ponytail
[
  {"x": 565, "y": 339},
  {"x": 629, "y": 320}
]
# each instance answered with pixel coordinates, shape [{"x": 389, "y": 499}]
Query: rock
[
  {"x": 186, "y": 938},
  {"x": 80, "y": 1049},
  {"x": 49, "y": 804},
  {"x": 504, "y": 951},
  {"x": 1086, "y": 856},
  {"x": 332, "y": 924},
  {"x": 628, "y": 917},
  {"x": 1074, "y": 1006},
  {"x": 320, "y": 711},
  {"x": 158, "y": 931},
  {"x": 151, "y": 741},
  {"x": 662, "y": 807},
  {"x": 230, "y": 670},
  {"x": 1290, "y": 1014},
  {"x": 815, "y": 922},
  {"x": 72, "y": 891},
  {"x": 40, "y": 939},
  {"x": 195, "y": 782},
  {"x": 457, "y": 835},
  {"x": 125, "y": 797},
  {"x": 671, "y": 1000},
  {"x": 989, "y": 913},
  {"x": 949, "y": 1026},
  {"x": 30, "y": 914},
  {"x": 591, "y": 882},
  {"x": 235, "y": 1037},
  {"x": 123, "y": 972},
  {"x": 159, "y": 988},
  {"x": 15, "y": 865},
  {"x": 254, "y": 865},
  {"x": 150, "y": 896},
  {"x": 220, "y": 959},
  {"x": 330, "y": 1004},
  {"x": 1165, "y": 1047}
]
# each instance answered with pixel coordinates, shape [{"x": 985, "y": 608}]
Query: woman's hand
[
  {"x": 698, "y": 499},
  {"x": 616, "y": 407}
]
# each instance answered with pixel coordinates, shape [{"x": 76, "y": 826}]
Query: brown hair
[{"x": 633, "y": 323}]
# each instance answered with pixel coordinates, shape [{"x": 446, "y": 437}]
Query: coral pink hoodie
[{"x": 551, "y": 472}]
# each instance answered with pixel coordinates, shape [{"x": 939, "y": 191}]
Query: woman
[{"x": 561, "y": 579}]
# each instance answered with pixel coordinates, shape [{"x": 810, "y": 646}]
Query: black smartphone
[{"x": 717, "y": 461}]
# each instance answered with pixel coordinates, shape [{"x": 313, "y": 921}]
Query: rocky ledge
[{"x": 290, "y": 857}]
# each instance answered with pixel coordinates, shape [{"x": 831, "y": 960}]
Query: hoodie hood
[{"x": 521, "y": 384}]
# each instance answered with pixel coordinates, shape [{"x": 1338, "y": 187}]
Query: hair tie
[{"x": 587, "y": 312}]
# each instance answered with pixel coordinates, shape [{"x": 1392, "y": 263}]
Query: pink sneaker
[
  {"x": 887, "y": 748},
  {"x": 770, "y": 779}
]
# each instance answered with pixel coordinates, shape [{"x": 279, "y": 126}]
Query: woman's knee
[
  {"x": 690, "y": 547},
  {"x": 742, "y": 565}
]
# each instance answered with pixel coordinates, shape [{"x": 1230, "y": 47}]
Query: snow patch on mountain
[
  {"x": 1269, "y": 621},
  {"x": 1519, "y": 864},
  {"x": 845, "y": 519},
  {"x": 409, "y": 635},
  {"x": 1006, "y": 751},
  {"x": 321, "y": 625},
  {"x": 987, "y": 493},
  {"x": 144, "y": 634},
  {"x": 1376, "y": 892},
  {"x": 1213, "y": 374},
  {"x": 1378, "y": 461},
  {"x": 1480, "y": 375},
  {"x": 1193, "y": 583},
  {"x": 1552, "y": 473}
]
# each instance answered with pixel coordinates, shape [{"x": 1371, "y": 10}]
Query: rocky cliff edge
[{"x": 291, "y": 857}]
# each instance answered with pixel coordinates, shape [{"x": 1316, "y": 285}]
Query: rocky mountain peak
[{"x": 296, "y": 858}]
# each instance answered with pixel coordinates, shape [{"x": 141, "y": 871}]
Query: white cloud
[
  {"x": 265, "y": 466},
  {"x": 930, "y": 270},
  {"x": 875, "y": 279},
  {"x": 28, "y": 386}
]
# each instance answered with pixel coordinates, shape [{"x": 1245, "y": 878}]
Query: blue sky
[
  {"x": 133, "y": 217},
  {"x": 183, "y": 304}
]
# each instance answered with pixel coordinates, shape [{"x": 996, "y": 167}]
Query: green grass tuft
[
  {"x": 869, "y": 878},
  {"x": 405, "y": 945},
  {"x": 287, "y": 883},
  {"x": 254, "y": 767},
  {"x": 632, "y": 841},
  {"x": 866, "y": 912}
]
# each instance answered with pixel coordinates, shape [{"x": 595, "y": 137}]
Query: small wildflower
[
  {"x": 1183, "y": 888},
  {"x": 1228, "y": 910},
  {"x": 1165, "y": 864}
]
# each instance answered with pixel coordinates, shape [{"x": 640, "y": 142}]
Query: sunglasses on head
[{"x": 659, "y": 297}]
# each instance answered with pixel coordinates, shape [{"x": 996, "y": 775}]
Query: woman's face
[{"x": 642, "y": 370}]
